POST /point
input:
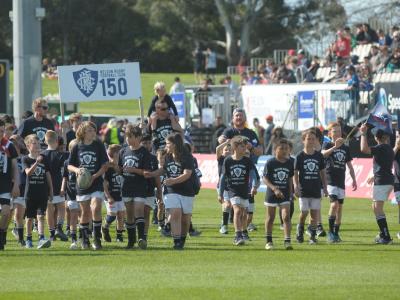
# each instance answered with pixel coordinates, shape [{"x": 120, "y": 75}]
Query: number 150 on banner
[{"x": 87, "y": 83}]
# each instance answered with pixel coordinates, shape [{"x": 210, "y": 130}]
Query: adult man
[
  {"x": 238, "y": 128},
  {"x": 268, "y": 134},
  {"x": 38, "y": 123},
  {"x": 211, "y": 64},
  {"x": 162, "y": 123}
]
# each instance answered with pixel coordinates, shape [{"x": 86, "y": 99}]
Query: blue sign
[
  {"x": 86, "y": 81},
  {"x": 179, "y": 101},
  {"x": 306, "y": 104}
]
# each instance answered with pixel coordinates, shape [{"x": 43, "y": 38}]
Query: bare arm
[
  {"x": 107, "y": 192},
  {"x": 156, "y": 173},
  {"x": 323, "y": 180},
  {"x": 296, "y": 183},
  {"x": 327, "y": 152},
  {"x": 14, "y": 172},
  {"x": 50, "y": 184},
  {"x": 220, "y": 147},
  {"x": 182, "y": 178},
  {"x": 352, "y": 174},
  {"x": 364, "y": 143},
  {"x": 159, "y": 189},
  {"x": 73, "y": 169}
]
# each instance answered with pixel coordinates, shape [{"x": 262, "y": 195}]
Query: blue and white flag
[{"x": 380, "y": 118}]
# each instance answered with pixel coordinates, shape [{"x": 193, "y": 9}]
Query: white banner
[{"x": 87, "y": 83}]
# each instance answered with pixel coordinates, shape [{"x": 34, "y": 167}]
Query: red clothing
[{"x": 343, "y": 47}]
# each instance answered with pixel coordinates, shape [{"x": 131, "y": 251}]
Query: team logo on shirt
[
  {"x": 87, "y": 158},
  {"x": 238, "y": 172},
  {"x": 130, "y": 162},
  {"x": 174, "y": 169},
  {"x": 281, "y": 175},
  {"x": 310, "y": 166},
  {"x": 40, "y": 134},
  {"x": 339, "y": 156},
  {"x": 164, "y": 133},
  {"x": 118, "y": 179},
  {"x": 38, "y": 171}
]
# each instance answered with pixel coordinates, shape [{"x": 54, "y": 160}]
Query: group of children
[{"x": 318, "y": 170}]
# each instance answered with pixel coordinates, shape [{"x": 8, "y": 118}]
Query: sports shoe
[
  {"x": 74, "y": 245},
  {"x": 119, "y": 239},
  {"x": 312, "y": 241},
  {"x": 21, "y": 243},
  {"x": 238, "y": 241},
  {"x": 165, "y": 232},
  {"x": 308, "y": 231},
  {"x": 159, "y": 228},
  {"x": 142, "y": 244},
  {"x": 97, "y": 244},
  {"x": 383, "y": 241},
  {"x": 85, "y": 244},
  {"x": 321, "y": 232},
  {"x": 398, "y": 235},
  {"x": 251, "y": 227},
  {"x": 331, "y": 237},
  {"x": 61, "y": 235},
  {"x": 223, "y": 229},
  {"x": 246, "y": 236},
  {"x": 130, "y": 245},
  {"x": 337, "y": 238},
  {"x": 195, "y": 233},
  {"x": 178, "y": 246},
  {"x": 288, "y": 245},
  {"x": 14, "y": 232},
  {"x": 269, "y": 246},
  {"x": 28, "y": 244},
  {"x": 106, "y": 234},
  {"x": 44, "y": 243}
]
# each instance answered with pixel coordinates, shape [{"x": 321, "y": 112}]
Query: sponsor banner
[
  {"x": 86, "y": 83},
  {"x": 362, "y": 168},
  {"x": 305, "y": 109},
  {"x": 388, "y": 93}
]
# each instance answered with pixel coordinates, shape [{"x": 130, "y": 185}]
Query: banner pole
[{"x": 141, "y": 112}]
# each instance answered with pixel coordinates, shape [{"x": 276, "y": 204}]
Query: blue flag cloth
[{"x": 380, "y": 118}]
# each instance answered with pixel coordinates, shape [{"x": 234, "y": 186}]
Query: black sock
[
  {"x": 319, "y": 226},
  {"x": 41, "y": 237},
  {"x": 225, "y": 218},
  {"x": 331, "y": 221},
  {"x": 287, "y": 240},
  {"x": 313, "y": 232},
  {"x": 97, "y": 229},
  {"x": 245, "y": 232},
  {"x": 300, "y": 229},
  {"x": 140, "y": 227},
  {"x": 84, "y": 231},
  {"x": 52, "y": 232},
  {"x": 29, "y": 238},
  {"x": 161, "y": 223},
  {"x": 191, "y": 227},
  {"x": 109, "y": 220},
  {"x": 268, "y": 237},
  {"x": 131, "y": 228},
  {"x": 291, "y": 209},
  {"x": 381, "y": 220},
  {"x": 168, "y": 226},
  {"x": 119, "y": 233},
  {"x": 177, "y": 241},
  {"x": 336, "y": 228},
  {"x": 183, "y": 240},
  {"x": 20, "y": 233},
  {"x": 2, "y": 238},
  {"x": 73, "y": 236},
  {"x": 60, "y": 226},
  {"x": 238, "y": 234}
]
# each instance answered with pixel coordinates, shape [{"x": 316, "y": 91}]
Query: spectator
[
  {"x": 301, "y": 72},
  {"x": 384, "y": 39},
  {"x": 314, "y": 66},
  {"x": 374, "y": 58},
  {"x": 75, "y": 120},
  {"x": 353, "y": 40},
  {"x": 303, "y": 59},
  {"x": 277, "y": 134},
  {"x": 201, "y": 97},
  {"x": 268, "y": 134},
  {"x": 211, "y": 64},
  {"x": 259, "y": 130},
  {"x": 353, "y": 86},
  {"x": 285, "y": 75},
  {"x": 384, "y": 58},
  {"x": 370, "y": 35},
  {"x": 360, "y": 34},
  {"x": 394, "y": 61},
  {"x": 198, "y": 63},
  {"x": 396, "y": 40},
  {"x": 342, "y": 46},
  {"x": 159, "y": 89},
  {"x": 113, "y": 134},
  {"x": 177, "y": 87}
]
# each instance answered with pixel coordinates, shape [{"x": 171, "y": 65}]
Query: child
[
  {"x": 179, "y": 182},
  {"x": 8, "y": 181},
  {"x": 223, "y": 150},
  {"x": 383, "y": 179},
  {"x": 38, "y": 190},
  {"x": 112, "y": 189},
  {"x": 337, "y": 157},
  {"x": 89, "y": 153},
  {"x": 291, "y": 198},
  {"x": 68, "y": 188},
  {"x": 278, "y": 176},
  {"x": 152, "y": 198},
  {"x": 56, "y": 207},
  {"x": 309, "y": 178},
  {"x": 162, "y": 215},
  {"x": 237, "y": 171},
  {"x": 19, "y": 202},
  {"x": 134, "y": 160}
]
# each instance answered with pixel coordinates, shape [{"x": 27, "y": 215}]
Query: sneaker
[
  {"x": 97, "y": 244},
  {"x": 61, "y": 235},
  {"x": 308, "y": 231},
  {"x": 312, "y": 241},
  {"x": 165, "y": 232},
  {"x": 28, "y": 244},
  {"x": 52, "y": 238},
  {"x": 85, "y": 244},
  {"x": 130, "y": 245},
  {"x": 74, "y": 245},
  {"x": 119, "y": 239},
  {"x": 195, "y": 233},
  {"x": 321, "y": 232},
  {"x": 251, "y": 227},
  {"x": 383, "y": 241},
  {"x": 238, "y": 241},
  {"x": 106, "y": 234},
  {"x": 44, "y": 243},
  {"x": 331, "y": 237},
  {"x": 337, "y": 238},
  {"x": 21, "y": 243},
  {"x": 246, "y": 237},
  {"x": 15, "y": 232},
  {"x": 223, "y": 229},
  {"x": 288, "y": 245},
  {"x": 178, "y": 246},
  {"x": 269, "y": 246},
  {"x": 142, "y": 244}
]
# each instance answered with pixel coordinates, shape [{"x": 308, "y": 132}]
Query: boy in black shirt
[
  {"x": 309, "y": 179},
  {"x": 337, "y": 157},
  {"x": 383, "y": 179},
  {"x": 8, "y": 181},
  {"x": 237, "y": 171},
  {"x": 278, "y": 176},
  {"x": 134, "y": 160},
  {"x": 112, "y": 190},
  {"x": 55, "y": 208},
  {"x": 38, "y": 190}
]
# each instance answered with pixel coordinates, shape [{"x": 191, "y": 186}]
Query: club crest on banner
[{"x": 86, "y": 81}]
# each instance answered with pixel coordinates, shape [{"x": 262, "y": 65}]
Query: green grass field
[
  {"x": 123, "y": 107},
  {"x": 211, "y": 267}
]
